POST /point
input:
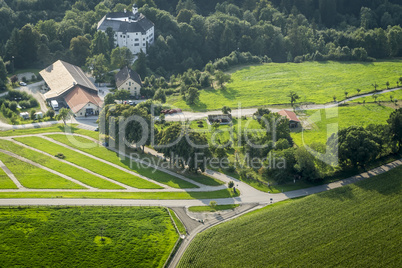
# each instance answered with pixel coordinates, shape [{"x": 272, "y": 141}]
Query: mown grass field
[
  {"x": 70, "y": 237},
  {"x": 353, "y": 226},
  {"x": 339, "y": 118},
  {"x": 5, "y": 181},
  {"x": 316, "y": 82},
  {"x": 59, "y": 166},
  {"x": 89, "y": 163},
  {"x": 224, "y": 193},
  {"x": 55, "y": 128},
  {"x": 95, "y": 149},
  {"x": 34, "y": 177}
]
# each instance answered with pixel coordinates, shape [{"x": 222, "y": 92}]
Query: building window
[
  {"x": 136, "y": 44},
  {"x": 80, "y": 113},
  {"x": 136, "y": 33},
  {"x": 89, "y": 104},
  {"x": 136, "y": 39},
  {"x": 129, "y": 83}
]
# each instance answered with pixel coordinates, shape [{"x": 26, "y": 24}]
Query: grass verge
[
  {"x": 177, "y": 221},
  {"x": 225, "y": 193},
  {"x": 212, "y": 209}
]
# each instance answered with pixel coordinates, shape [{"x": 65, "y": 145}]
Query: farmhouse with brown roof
[
  {"x": 69, "y": 84},
  {"x": 293, "y": 120}
]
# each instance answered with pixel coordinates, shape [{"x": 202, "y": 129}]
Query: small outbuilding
[
  {"x": 222, "y": 119},
  {"x": 24, "y": 115},
  {"x": 293, "y": 120}
]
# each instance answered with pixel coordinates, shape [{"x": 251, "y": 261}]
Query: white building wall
[
  {"x": 135, "y": 41},
  {"x": 131, "y": 86},
  {"x": 81, "y": 113}
]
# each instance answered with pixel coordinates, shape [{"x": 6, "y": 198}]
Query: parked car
[{"x": 23, "y": 84}]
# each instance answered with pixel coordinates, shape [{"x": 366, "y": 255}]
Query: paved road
[{"x": 184, "y": 116}]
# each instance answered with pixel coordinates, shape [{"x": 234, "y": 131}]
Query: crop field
[
  {"x": 71, "y": 237},
  {"x": 88, "y": 146},
  {"x": 339, "y": 118},
  {"x": 5, "y": 181},
  {"x": 34, "y": 177},
  {"x": 59, "y": 166},
  {"x": 316, "y": 82},
  {"x": 357, "y": 225},
  {"x": 89, "y": 163}
]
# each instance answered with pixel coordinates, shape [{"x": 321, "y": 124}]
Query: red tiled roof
[
  {"x": 290, "y": 115},
  {"x": 77, "y": 98}
]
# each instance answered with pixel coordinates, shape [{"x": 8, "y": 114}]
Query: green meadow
[
  {"x": 72, "y": 237},
  {"x": 325, "y": 122},
  {"x": 357, "y": 225},
  {"x": 314, "y": 82}
]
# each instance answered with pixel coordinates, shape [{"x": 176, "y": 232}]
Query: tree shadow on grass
[{"x": 385, "y": 183}]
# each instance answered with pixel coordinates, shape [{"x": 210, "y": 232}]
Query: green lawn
[
  {"x": 178, "y": 222},
  {"x": 89, "y": 163},
  {"x": 70, "y": 237},
  {"x": 59, "y": 166},
  {"x": 97, "y": 150},
  {"x": 34, "y": 177},
  {"x": 54, "y": 128},
  {"x": 353, "y": 226},
  {"x": 224, "y": 193},
  {"x": 317, "y": 82},
  {"x": 211, "y": 209},
  {"x": 5, "y": 181},
  {"x": 339, "y": 118}
]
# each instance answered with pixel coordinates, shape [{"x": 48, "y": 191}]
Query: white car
[{"x": 23, "y": 84}]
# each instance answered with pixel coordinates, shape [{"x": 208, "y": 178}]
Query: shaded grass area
[
  {"x": 59, "y": 166},
  {"x": 356, "y": 225},
  {"x": 225, "y": 193},
  {"x": 177, "y": 221},
  {"x": 212, "y": 209},
  {"x": 328, "y": 121},
  {"x": 34, "y": 177},
  {"x": 5, "y": 181},
  {"x": 317, "y": 82},
  {"x": 97, "y": 150},
  {"x": 70, "y": 128},
  {"x": 70, "y": 237},
  {"x": 89, "y": 163}
]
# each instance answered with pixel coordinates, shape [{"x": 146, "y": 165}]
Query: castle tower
[{"x": 135, "y": 9}]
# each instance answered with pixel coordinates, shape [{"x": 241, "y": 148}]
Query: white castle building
[{"x": 131, "y": 30}]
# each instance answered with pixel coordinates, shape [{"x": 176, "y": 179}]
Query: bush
[
  {"x": 13, "y": 106},
  {"x": 33, "y": 103},
  {"x": 60, "y": 156},
  {"x": 24, "y": 104}
]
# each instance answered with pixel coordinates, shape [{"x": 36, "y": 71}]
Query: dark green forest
[{"x": 191, "y": 33}]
